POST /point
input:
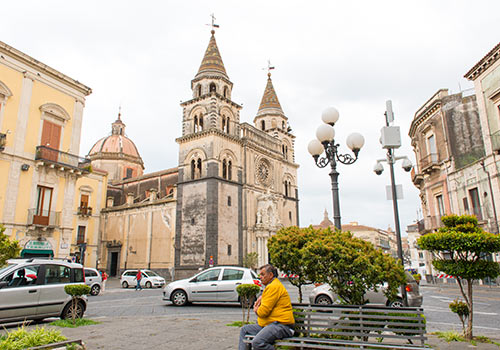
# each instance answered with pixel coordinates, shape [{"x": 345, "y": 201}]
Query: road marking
[
  {"x": 456, "y": 324},
  {"x": 444, "y": 309}
]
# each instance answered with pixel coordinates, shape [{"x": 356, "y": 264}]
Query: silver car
[
  {"x": 322, "y": 294},
  {"x": 93, "y": 279},
  {"x": 149, "y": 279},
  {"x": 34, "y": 289},
  {"x": 214, "y": 284}
]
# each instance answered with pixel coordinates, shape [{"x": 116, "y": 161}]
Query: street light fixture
[
  {"x": 326, "y": 142},
  {"x": 390, "y": 140}
]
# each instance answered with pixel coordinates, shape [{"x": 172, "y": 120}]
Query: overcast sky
[{"x": 353, "y": 55}]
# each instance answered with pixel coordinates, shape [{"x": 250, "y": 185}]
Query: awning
[{"x": 28, "y": 253}]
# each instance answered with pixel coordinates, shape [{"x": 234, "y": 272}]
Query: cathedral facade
[{"x": 235, "y": 185}]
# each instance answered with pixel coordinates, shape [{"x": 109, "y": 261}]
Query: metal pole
[
  {"x": 334, "y": 175},
  {"x": 396, "y": 220},
  {"x": 390, "y": 159}
]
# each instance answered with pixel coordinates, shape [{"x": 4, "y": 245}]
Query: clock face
[{"x": 263, "y": 172}]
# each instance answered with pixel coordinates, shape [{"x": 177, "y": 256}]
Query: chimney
[
  {"x": 153, "y": 194},
  {"x": 130, "y": 198},
  {"x": 110, "y": 202}
]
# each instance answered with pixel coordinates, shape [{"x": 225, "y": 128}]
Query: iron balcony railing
[
  {"x": 429, "y": 160},
  {"x": 62, "y": 158},
  {"x": 44, "y": 218},
  {"x": 85, "y": 211}
]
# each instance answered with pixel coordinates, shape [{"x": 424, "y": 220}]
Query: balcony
[
  {"x": 84, "y": 211},
  {"x": 495, "y": 141},
  {"x": 416, "y": 178},
  {"x": 430, "y": 224},
  {"x": 62, "y": 160},
  {"x": 45, "y": 218},
  {"x": 429, "y": 163}
]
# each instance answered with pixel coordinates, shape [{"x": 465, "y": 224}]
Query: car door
[
  {"x": 20, "y": 297},
  {"x": 204, "y": 286},
  {"x": 226, "y": 289},
  {"x": 52, "y": 294},
  {"x": 377, "y": 297}
]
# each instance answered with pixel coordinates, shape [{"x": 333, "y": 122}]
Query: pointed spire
[
  {"x": 270, "y": 99},
  {"x": 118, "y": 127},
  {"x": 212, "y": 61}
]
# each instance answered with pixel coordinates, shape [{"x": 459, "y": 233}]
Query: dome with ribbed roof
[{"x": 117, "y": 154}]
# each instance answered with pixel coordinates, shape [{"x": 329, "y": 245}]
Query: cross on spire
[
  {"x": 213, "y": 25},
  {"x": 269, "y": 68}
]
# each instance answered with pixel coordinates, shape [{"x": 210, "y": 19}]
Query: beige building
[
  {"x": 384, "y": 240},
  {"x": 50, "y": 198},
  {"x": 234, "y": 187}
]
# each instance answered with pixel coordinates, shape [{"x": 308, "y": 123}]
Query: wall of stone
[
  {"x": 228, "y": 225},
  {"x": 193, "y": 223}
]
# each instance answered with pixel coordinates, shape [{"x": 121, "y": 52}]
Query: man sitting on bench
[{"x": 274, "y": 313}]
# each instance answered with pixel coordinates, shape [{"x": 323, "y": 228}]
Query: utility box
[{"x": 390, "y": 137}]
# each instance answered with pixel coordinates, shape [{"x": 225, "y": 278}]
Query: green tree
[
  {"x": 285, "y": 250},
  {"x": 247, "y": 293},
  {"x": 8, "y": 249},
  {"x": 250, "y": 260},
  {"x": 351, "y": 266},
  {"x": 76, "y": 290},
  {"x": 459, "y": 249}
]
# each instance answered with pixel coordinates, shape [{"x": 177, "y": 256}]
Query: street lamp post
[
  {"x": 391, "y": 139},
  {"x": 326, "y": 142}
]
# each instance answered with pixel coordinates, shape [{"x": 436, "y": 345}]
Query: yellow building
[{"x": 50, "y": 198}]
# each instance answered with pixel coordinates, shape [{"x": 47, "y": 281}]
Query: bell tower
[{"x": 210, "y": 177}]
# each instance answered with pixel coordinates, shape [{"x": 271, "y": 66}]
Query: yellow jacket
[{"x": 275, "y": 305}]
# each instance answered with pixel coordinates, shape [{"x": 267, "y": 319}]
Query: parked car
[
  {"x": 149, "y": 279},
  {"x": 214, "y": 284},
  {"x": 93, "y": 279},
  {"x": 323, "y": 295},
  {"x": 34, "y": 289}
]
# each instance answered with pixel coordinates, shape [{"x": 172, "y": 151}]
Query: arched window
[
  {"x": 213, "y": 88},
  {"x": 223, "y": 123},
  {"x": 196, "y": 169},
  {"x": 226, "y": 128},
  {"x": 225, "y": 91},
  {"x": 229, "y": 170},
  {"x": 199, "y": 90},
  {"x": 286, "y": 188},
  {"x": 283, "y": 125},
  {"x": 224, "y": 169},
  {"x": 263, "y": 125},
  {"x": 198, "y": 123}
]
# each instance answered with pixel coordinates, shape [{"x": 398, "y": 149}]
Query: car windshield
[
  {"x": 5, "y": 268},
  {"x": 151, "y": 273}
]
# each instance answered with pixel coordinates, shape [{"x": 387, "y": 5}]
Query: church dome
[{"x": 117, "y": 154}]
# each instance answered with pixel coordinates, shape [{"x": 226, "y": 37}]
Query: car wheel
[
  {"x": 73, "y": 309},
  {"x": 149, "y": 285},
  {"x": 398, "y": 303},
  {"x": 323, "y": 300},
  {"x": 124, "y": 284},
  {"x": 179, "y": 298},
  {"x": 95, "y": 290}
]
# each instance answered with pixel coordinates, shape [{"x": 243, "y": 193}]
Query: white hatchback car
[
  {"x": 214, "y": 284},
  {"x": 93, "y": 279},
  {"x": 149, "y": 279}
]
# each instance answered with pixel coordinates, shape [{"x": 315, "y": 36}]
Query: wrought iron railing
[
  {"x": 58, "y": 157},
  {"x": 44, "y": 217},
  {"x": 429, "y": 160},
  {"x": 85, "y": 211}
]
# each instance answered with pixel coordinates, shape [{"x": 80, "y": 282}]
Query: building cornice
[
  {"x": 41, "y": 67},
  {"x": 210, "y": 94},
  {"x": 485, "y": 62},
  {"x": 205, "y": 133}
]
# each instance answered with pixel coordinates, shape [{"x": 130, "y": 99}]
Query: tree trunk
[
  {"x": 300, "y": 293},
  {"x": 468, "y": 332}
]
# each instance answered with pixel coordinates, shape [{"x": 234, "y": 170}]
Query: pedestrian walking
[
  {"x": 104, "y": 277},
  {"x": 138, "y": 277}
]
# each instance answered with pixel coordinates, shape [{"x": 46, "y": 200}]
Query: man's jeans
[{"x": 264, "y": 336}]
